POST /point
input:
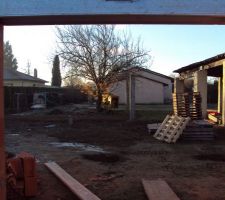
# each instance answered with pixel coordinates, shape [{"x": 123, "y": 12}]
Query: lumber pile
[
  {"x": 158, "y": 190},
  {"x": 171, "y": 128},
  {"x": 77, "y": 188}
]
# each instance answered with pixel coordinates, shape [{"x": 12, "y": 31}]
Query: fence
[{"x": 18, "y": 99}]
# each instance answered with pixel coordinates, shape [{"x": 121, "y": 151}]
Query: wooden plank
[
  {"x": 158, "y": 190},
  {"x": 2, "y": 146},
  {"x": 78, "y": 189}
]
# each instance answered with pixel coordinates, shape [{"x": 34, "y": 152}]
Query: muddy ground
[{"x": 110, "y": 155}]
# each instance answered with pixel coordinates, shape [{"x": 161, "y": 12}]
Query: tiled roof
[{"x": 10, "y": 75}]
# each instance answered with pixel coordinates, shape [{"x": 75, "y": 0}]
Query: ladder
[{"x": 171, "y": 128}]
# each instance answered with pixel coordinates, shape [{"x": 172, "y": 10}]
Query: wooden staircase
[{"x": 171, "y": 128}]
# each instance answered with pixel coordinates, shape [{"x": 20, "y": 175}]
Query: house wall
[
  {"x": 146, "y": 91},
  {"x": 167, "y": 89},
  {"x": 23, "y": 83},
  {"x": 119, "y": 89}
]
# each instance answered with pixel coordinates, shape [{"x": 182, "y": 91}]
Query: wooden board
[
  {"x": 158, "y": 190},
  {"x": 78, "y": 189}
]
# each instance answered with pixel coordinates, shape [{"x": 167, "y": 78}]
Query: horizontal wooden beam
[{"x": 112, "y": 19}]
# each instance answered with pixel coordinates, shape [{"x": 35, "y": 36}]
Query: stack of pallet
[
  {"x": 187, "y": 105},
  {"x": 195, "y": 107},
  {"x": 171, "y": 128},
  {"x": 198, "y": 130},
  {"x": 181, "y": 104}
]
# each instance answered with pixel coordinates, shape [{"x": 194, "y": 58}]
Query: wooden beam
[
  {"x": 2, "y": 146},
  {"x": 78, "y": 189},
  {"x": 111, "y": 19},
  {"x": 219, "y": 104},
  {"x": 223, "y": 95},
  {"x": 158, "y": 190}
]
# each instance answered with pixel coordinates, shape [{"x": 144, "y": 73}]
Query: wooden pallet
[
  {"x": 198, "y": 132},
  {"x": 171, "y": 128}
]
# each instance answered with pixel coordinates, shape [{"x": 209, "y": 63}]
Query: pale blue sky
[{"x": 171, "y": 46}]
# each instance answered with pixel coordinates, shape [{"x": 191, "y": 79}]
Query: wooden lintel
[
  {"x": 111, "y": 19},
  {"x": 214, "y": 64}
]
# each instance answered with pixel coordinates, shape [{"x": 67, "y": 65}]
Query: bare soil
[{"x": 110, "y": 155}]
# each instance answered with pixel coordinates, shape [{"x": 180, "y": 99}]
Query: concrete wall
[{"x": 23, "y": 83}]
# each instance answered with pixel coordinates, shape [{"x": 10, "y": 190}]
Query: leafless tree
[{"x": 99, "y": 53}]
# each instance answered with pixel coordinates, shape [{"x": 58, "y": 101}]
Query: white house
[{"x": 150, "y": 87}]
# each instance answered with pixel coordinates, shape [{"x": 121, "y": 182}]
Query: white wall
[{"x": 146, "y": 91}]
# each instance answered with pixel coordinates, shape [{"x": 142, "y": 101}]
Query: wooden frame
[
  {"x": 2, "y": 146},
  {"x": 32, "y": 12}
]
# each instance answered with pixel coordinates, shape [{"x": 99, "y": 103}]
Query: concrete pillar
[
  {"x": 200, "y": 85},
  {"x": 178, "y": 85},
  {"x": 219, "y": 106},
  {"x": 223, "y": 95},
  {"x": 132, "y": 102},
  {"x": 2, "y": 146}
]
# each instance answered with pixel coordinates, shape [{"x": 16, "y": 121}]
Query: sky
[{"x": 170, "y": 46}]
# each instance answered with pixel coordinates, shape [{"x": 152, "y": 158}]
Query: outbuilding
[{"x": 198, "y": 73}]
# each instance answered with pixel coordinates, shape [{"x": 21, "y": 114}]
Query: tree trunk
[{"x": 99, "y": 102}]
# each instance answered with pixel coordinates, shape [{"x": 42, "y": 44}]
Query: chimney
[{"x": 35, "y": 72}]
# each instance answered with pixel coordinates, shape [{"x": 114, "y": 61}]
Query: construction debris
[
  {"x": 215, "y": 117},
  {"x": 21, "y": 176},
  {"x": 171, "y": 128},
  {"x": 158, "y": 190},
  {"x": 77, "y": 188}
]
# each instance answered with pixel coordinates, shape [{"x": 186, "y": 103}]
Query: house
[
  {"x": 19, "y": 79},
  {"x": 198, "y": 73},
  {"x": 150, "y": 87}
]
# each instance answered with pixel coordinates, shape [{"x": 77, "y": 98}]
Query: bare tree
[{"x": 99, "y": 53}]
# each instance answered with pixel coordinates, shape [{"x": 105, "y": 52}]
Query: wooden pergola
[{"x": 48, "y": 12}]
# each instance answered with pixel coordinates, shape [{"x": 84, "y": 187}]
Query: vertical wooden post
[
  {"x": 219, "y": 106},
  {"x": 2, "y": 146},
  {"x": 132, "y": 96},
  {"x": 223, "y": 96}
]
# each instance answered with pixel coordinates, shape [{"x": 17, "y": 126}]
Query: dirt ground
[{"x": 110, "y": 155}]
